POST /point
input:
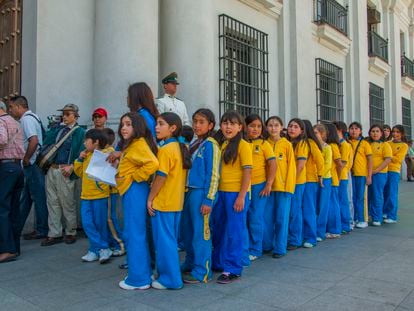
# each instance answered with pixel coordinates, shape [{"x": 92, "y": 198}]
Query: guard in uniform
[{"x": 170, "y": 103}]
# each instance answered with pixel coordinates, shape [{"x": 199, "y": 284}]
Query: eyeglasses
[
  {"x": 97, "y": 116},
  {"x": 67, "y": 114}
]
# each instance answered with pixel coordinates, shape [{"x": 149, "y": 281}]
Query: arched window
[{"x": 10, "y": 47}]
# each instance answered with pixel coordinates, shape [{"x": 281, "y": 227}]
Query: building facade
[{"x": 322, "y": 60}]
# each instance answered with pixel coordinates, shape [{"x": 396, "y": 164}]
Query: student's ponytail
[{"x": 173, "y": 119}]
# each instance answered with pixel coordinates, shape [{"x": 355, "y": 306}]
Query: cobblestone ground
[{"x": 370, "y": 269}]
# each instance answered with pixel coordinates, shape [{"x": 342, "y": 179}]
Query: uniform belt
[{"x": 10, "y": 160}]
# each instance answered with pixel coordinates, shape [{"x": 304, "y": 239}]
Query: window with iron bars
[
  {"x": 406, "y": 117},
  {"x": 243, "y": 68},
  {"x": 329, "y": 91},
  {"x": 376, "y": 104}
]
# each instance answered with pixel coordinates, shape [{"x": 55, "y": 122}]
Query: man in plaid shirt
[{"x": 12, "y": 181}]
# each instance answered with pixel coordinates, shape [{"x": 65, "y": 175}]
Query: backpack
[{"x": 40, "y": 122}]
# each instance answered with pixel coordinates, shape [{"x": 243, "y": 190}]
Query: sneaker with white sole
[
  {"x": 307, "y": 245},
  {"x": 376, "y": 223},
  {"x": 118, "y": 253},
  {"x": 361, "y": 225},
  {"x": 253, "y": 257},
  {"x": 333, "y": 236},
  {"x": 390, "y": 221},
  {"x": 89, "y": 257},
  {"x": 157, "y": 285},
  {"x": 125, "y": 286},
  {"x": 319, "y": 239},
  {"x": 104, "y": 255},
  {"x": 384, "y": 216}
]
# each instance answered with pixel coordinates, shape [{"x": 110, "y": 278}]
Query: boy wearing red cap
[{"x": 99, "y": 117}]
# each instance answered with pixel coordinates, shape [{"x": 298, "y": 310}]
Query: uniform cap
[{"x": 171, "y": 78}]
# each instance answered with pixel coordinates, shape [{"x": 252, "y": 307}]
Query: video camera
[{"x": 54, "y": 120}]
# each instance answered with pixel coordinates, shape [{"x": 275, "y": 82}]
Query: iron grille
[
  {"x": 243, "y": 68},
  {"x": 329, "y": 91},
  {"x": 332, "y": 13},
  {"x": 377, "y": 46},
  {"x": 376, "y": 104},
  {"x": 406, "y": 116},
  {"x": 10, "y": 47}
]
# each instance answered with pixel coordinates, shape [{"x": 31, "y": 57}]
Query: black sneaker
[
  {"x": 225, "y": 278},
  {"x": 292, "y": 247},
  {"x": 277, "y": 256}
]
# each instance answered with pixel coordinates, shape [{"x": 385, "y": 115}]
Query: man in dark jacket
[{"x": 60, "y": 179}]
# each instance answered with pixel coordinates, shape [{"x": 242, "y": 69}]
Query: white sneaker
[
  {"x": 376, "y": 223},
  {"x": 104, "y": 255},
  {"x": 253, "y": 257},
  {"x": 89, "y": 257},
  {"x": 308, "y": 245},
  {"x": 390, "y": 221},
  {"x": 319, "y": 239},
  {"x": 157, "y": 285},
  {"x": 118, "y": 253},
  {"x": 125, "y": 286},
  {"x": 384, "y": 216},
  {"x": 333, "y": 236},
  {"x": 361, "y": 225}
]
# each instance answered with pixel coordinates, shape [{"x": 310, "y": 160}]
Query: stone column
[
  {"x": 125, "y": 51},
  {"x": 360, "y": 96},
  {"x": 188, "y": 32}
]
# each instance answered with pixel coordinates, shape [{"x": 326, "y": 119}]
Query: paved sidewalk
[{"x": 371, "y": 269}]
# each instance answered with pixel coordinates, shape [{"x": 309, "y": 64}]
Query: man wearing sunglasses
[{"x": 60, "y": 179}]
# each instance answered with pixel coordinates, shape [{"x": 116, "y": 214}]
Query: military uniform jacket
[{"x": 170, "y": 103}]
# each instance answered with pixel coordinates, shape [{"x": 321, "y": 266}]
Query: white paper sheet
[{"x": 101, "y": 170}]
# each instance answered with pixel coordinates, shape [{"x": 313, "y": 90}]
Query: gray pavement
[{"x": 370, "y": 269}]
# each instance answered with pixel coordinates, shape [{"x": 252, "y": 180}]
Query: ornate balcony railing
[
  {"x": 332, "y": 13},
  {"x": 377, "y": 46},
  {"x": 407, "y": 67}
]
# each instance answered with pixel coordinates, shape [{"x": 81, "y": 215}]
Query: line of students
[{"x": 239, "y": 193}]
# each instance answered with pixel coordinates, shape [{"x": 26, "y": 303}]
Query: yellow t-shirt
[
  {"x": 171, "y": 196},
  {"x": 137, "y": 163},
  {"x": 301, "y": 153},
  {"x": 346, "y": 158},
  {"x": 336, "y": 155},
  {"x": 380, "y": 152},
  {"x": 285, "y": 179},
  {"x": 232, "y": 173},
  {"x": 91, "y": 189},
  {"x": 360, "y": 165},
  {"x": 262, "y": 152},
  {"x": 315, "y": 162},
  {"x": 399, "y": 150},
  {"x": 327, "y": 156}
]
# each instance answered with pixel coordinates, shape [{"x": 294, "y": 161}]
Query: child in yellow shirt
[
  {"x": 297, "y": 136},
  {"x": 94, "y": 200},
  {"x": 334, "y": 227},
  {"x": 325, "y": 189},
  {"x": 381, "y": 157},
  {"x": 399, "y": 148},
  {"x": 361, "y": 171},
  {"x": 314, "y": 168},
  {"x": 276, "y": 214},
  {"x": 166, "y": 199},
  {"x": 263, "y": 176},
  {"x": 346, "y": 159},
  {"x": 137, "y": 163},
  {"x": 229, "y": 213}
]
